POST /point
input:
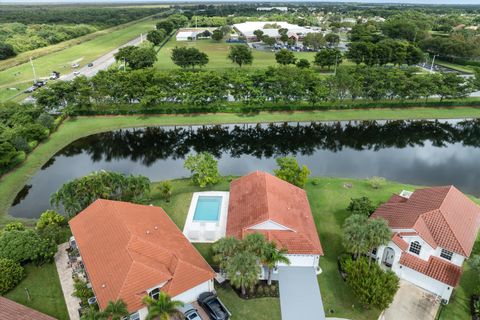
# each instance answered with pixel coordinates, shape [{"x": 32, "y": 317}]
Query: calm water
[{"x": 417, "y": 152}]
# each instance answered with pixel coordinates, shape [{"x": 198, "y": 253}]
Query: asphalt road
[{"x": 101, "y": 63}]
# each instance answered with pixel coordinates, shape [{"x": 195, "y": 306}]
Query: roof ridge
[{"x": 453, "y": 232}]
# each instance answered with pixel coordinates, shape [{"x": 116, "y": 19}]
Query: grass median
[{"x": 73, "y": 129}]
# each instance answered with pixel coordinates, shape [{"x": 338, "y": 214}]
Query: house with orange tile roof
[
  {"x": 262, "y": 203},
  {"x": 130, "y": 251},
  {"x": 433, "y": 232}
]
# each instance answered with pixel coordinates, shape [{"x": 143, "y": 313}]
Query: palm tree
[
  {"x": 161, "y": 308},
  {"x": 116, "y": 310},
  {"x": 377, "y": 234},
  {"x": 93, "y": 314},
  {"x": 243, "y": 270},
  {"x": 354, "y": 234},
  {"x": 272, "y": 257},
  {"x": 255, "y": 243},
  {"x": 224, "y": 249}
]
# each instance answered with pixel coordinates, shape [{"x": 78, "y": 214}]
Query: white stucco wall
[
  {"x": 268, "y": 225},
  {"x": 302, "y": 260},
  {"x": 427, "y": 283},
  {"x": 417, "y": 278},
  {"x": 186, "y": 296}
]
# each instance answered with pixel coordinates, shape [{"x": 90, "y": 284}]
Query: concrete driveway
[{"x": 411, "y": 302}]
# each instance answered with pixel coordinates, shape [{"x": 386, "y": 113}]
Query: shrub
[
  {"x": 25, "y": 246},
  {"x": 290, "y": 171},
  {"x": 204, "y": 169},
  {"x": 54, "y": 233},
  {"x": 362, "y": 205},
  {"x": 82, "y": 291},
  {"x": 371, "y": 285},
  {"x": 46, "y": 120},
  {"x": 165, "y": 189},
  {"x": 50, "y": 217},
  {"x": 21, "y": 144},
  {"x": 377, "y": 182},
  {"x": 11, "y": 273},
  {"x": 14, "y": 226},
  {"x": 316, "y": 181}
]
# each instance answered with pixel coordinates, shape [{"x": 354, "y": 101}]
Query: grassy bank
[
  {"x": 74, "y": 129},
  {"x": 20, "y": 76},
  {"x": 45, "y": 291}
]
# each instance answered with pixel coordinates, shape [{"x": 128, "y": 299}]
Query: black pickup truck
[{"x": 213, "y": 306}]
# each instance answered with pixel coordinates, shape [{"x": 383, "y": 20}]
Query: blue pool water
[{"x": 208, "y": 208}]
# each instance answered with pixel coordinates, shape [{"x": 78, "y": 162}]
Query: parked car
[
  {"x": 54, "y": 75},
  {"x": 75, "y": 65},
  {"x": 213, "y": 306},
  {"x": 39, "y": 83},
  {"x": 30, "y": 89},
  {"x": 90, "y": 64},
  {"x": 189, "y": 312},
  {"x": 76, "y": 73}
]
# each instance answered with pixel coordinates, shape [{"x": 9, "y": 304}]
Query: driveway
[
  {"x": 411, "y": 302},
  {"x": 300, "y": 296}
]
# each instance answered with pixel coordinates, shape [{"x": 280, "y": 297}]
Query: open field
[
  {"x": 46, "y": 294},
  {"x": 73, "y": 129},
  {"x": 217, "y": 53},
  {"x": 21, "y": 76}
]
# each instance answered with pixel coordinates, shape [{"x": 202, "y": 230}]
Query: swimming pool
[{"x": 208, "y": 208}]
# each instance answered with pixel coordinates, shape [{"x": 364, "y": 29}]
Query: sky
[{"x": 460, "y": 2}]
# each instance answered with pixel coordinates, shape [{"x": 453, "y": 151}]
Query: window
[
  {"x": 374, "y": 251},
  {"x": 133, "y": 316},
  {"x": 446, "y": 254},
  {"x": 415, "y": 247},
  {"x": 154, "y": 293}
]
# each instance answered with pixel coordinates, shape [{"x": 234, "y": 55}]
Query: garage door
[{"x": 299, "y": 294}]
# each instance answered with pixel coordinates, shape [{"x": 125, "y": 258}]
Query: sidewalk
[{"x": 66, "y": 281}]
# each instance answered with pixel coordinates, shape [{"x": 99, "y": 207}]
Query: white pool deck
[{"x": 206, "y": 231}]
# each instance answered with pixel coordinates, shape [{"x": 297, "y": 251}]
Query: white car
[
  {"x": 75, "y": 65},
  {"x": 76, "y": 73}
]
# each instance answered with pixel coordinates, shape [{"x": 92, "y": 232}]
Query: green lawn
[
  {"x": 21, "y": 76},
  {"x": 71, "y": 130},
  {"x": 454, "y": 66},
  {"x": 217, "y": 53},
  {"x": 459, "y": 306},
  {"x": 328, "y": 201},
  {"x": 46, "y": 294}
]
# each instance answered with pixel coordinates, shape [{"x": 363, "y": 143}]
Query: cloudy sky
[{"x": 363, "y": 1}]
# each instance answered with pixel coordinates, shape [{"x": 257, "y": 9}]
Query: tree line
[
  {"x": 21, "y": 129},
  {"x": 283, "y": 84},
  {"x": 17, "y": 37}
]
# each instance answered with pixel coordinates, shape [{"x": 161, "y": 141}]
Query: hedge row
[{"x": 129, "y": 109}]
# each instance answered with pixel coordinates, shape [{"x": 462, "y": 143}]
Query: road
[{"x": 101, "y": 63}]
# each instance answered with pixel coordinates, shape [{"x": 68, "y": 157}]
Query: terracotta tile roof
[
  {"x": 15, "y": 311},
  {"x": 129, "y": 248},
  {"x": 260, "y": 197},
  {"x": 402, "y": 244},
  {"x": 442, "y": 216},
  {"x": 436, "y": 268}
]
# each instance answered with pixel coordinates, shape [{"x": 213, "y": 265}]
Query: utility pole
[
  {"x": 433, "y": 62},
  {"x": 336, "y": 62},
  {"x": 34, "y": 73}
]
